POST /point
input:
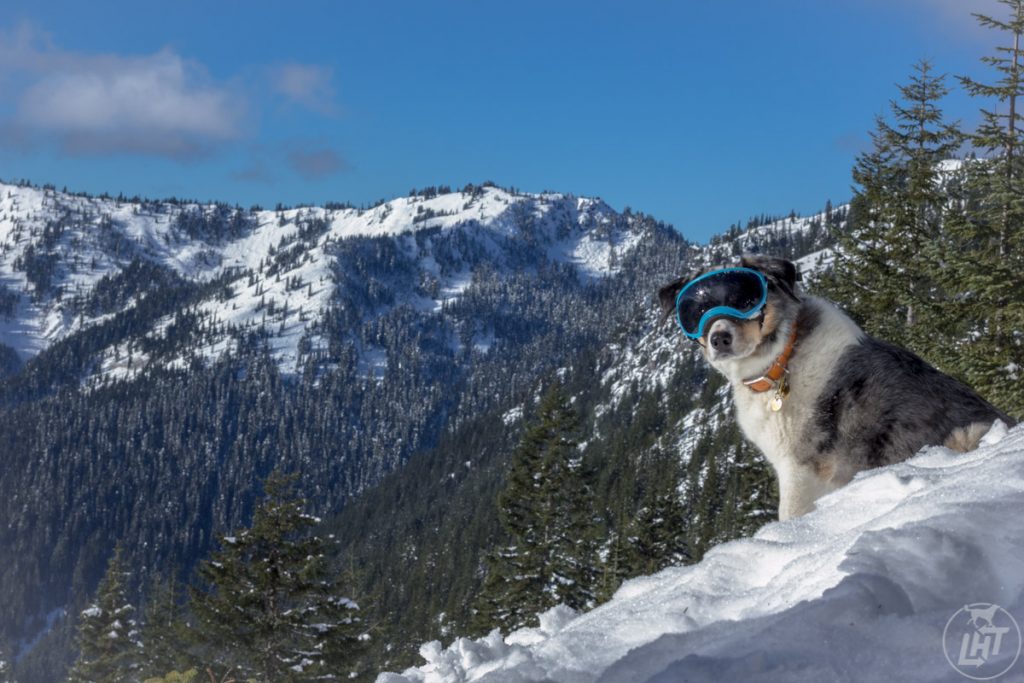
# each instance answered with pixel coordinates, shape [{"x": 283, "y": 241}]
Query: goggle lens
[{"x": 734, "y": 292}]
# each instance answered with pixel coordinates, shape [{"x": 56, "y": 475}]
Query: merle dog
[{"x": 821, "y": 398}]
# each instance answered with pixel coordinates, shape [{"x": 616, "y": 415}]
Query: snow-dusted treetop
[{"x": 860, "y": 589}]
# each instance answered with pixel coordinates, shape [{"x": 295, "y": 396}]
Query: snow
[
  {"x": 100, "y": 236},
  {"x": 860, "y": 589},
  {"x": 373, "y": 363},
  {"x": 646, "y": 364},
  {"x": 596, "y": 256},
  {"x": 816, "y": 262},
  {"x": 513, "y": 415},
  {"x": 483, "y": 342}
]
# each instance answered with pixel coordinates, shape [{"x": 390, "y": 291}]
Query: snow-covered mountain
[
  {"x": 276, "y": 272},
  {"x": 342, "y": 344},
  {"x": 648, "y": 404},
  {"x": 877, "y": 584}
]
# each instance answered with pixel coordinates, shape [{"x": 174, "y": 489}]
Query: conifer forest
[{"x": 296, "y": 443}]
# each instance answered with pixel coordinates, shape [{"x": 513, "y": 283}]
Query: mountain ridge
[
  {"x": 168, "y": 368},
  {"x": 43, "y": 234}
]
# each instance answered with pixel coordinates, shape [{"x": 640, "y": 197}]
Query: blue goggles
[{"x": 732, "y": 292}]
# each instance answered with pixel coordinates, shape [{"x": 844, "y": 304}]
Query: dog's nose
[{"x": 721, "y": 340}]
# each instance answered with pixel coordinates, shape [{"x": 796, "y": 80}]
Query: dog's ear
[
  {"x": 779, "y": 271},
  {"x": 667, "y": 296}
]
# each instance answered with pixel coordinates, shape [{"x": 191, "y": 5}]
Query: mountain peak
[{"x": 278, "y": 272}]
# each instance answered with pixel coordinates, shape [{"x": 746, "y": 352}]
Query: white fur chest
[
  {"x": 778, "y": 433},
  {"x": 773, "y": 432}
]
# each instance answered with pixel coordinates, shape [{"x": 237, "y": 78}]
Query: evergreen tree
[
  {"x": 882, "y": 272},
  {"x": 271, "y": 610},
  {"x": 164, "y": 630},
  {"x": 189, "y": 676},
  {"x": 108, "y": 641},
  {"x": 574, "y": 533},
  {"x": 547, "y": 512},
  {"x": 705, "y": 527},
  {"x": 658, "y": 537},
  {"x": 751, "y": 497},
  {"x": 617, "y": 554},
  {"x": 984, "y": 254},
  {"x": 1000, "y": 132}
]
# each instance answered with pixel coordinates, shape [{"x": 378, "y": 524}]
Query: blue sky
[{"x": 698, "y": 113}]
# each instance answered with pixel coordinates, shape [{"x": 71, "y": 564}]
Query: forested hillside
[
  {"x": 928, "y": 255},
  {"x": 660, "y": 454},
  {"x": 173, "y": 354},
  {"x": 438, "y": 377}
]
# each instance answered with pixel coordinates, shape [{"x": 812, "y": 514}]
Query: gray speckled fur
[{"x": 882, "y": 404}]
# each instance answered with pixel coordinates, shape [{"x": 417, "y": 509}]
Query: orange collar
[{"x": 770, "y": 379}]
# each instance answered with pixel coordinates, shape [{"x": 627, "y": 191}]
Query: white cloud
[
  {"x": 25, "y": 49},
  {"x": 156, "y": 104},
  {"x": 305, "y": 84}
]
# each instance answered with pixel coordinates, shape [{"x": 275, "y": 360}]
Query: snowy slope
[
  {"x": 56, "y": 247},
  {"x": 859, "y": 590},
  {"x": 281, "y": 271}
]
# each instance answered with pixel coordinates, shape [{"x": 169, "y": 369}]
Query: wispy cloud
[
  {"x": 256, "y": 172},
  {"x": 957, "y": 14},
  {"x": 951, "y": 18},
  {"x": 308, "y": 85},
  {"x": 315, "y": 164},
  {"x": 159, "y": 104}
]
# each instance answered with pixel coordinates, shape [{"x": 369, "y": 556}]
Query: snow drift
[{"x": 861, "y": 589}]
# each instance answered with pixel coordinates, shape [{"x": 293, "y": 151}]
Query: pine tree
[
  {"x": 189, "y": 676},
  {"x": 164, "y": 630},
  {"x": 984, "y": 255},
  {"x": 617, "y": 554},
  {"x": 704, "y": 530},
  {"x": 547, "y": 512},
  {"x": 272, "y": 610},
  {"x": 1001, "y": 132},
  {"x": 882, "y": 272},
  {"x": 573, "y": 534},
  {"x": 658, "y": 537},
  {"x": 108, "y": 641},
  {"x": 751, "y": 494}
]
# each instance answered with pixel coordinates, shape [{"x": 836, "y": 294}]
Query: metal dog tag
[{"x": 780, "y": 393}]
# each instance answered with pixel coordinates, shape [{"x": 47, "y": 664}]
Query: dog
[
  {"x": 983, "y": 612},
  {"x": 818, "y": 396}
]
